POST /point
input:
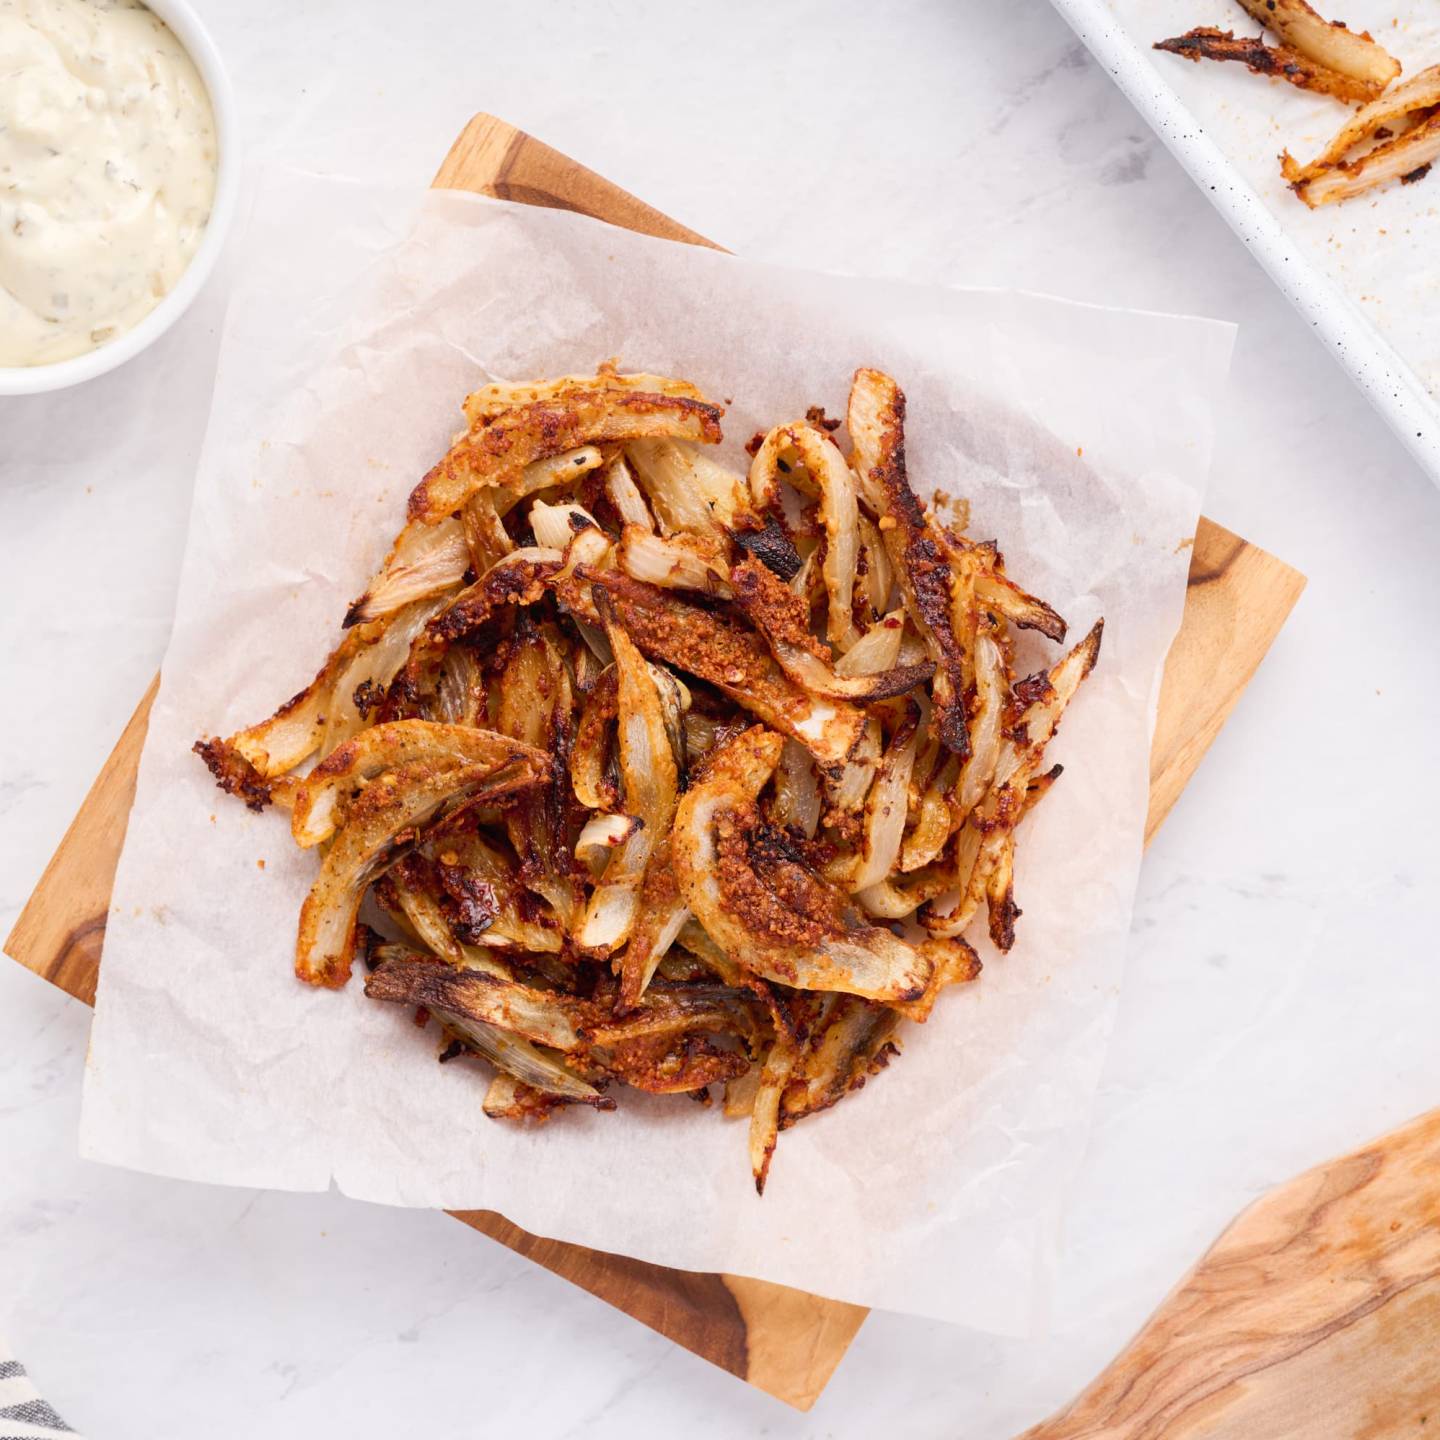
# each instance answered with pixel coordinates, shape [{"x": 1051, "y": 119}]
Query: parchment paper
[{"x": 1082, "y": 437}]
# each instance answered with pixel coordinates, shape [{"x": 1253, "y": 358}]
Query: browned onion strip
[
  {"x": 1024, "y": 745},
  {"x": 507, "y": 1099},
  {"x": 782, "y": 619},
  {"x": 520, "y": 922},
  {"x": 1278, "y": 62},
  {"x": 948, "y": 914},
  {"x": 520, "y": 1059},
  {"x": 715, "y": 649},
  {"x": 625, "y": 495},
  {"x": 702, "y": 733},
  {"x": 797, "y": 792},
  {"x": 771, "y": 546},
  {"x": 537, "y": 705},
  {"x": 740, "y": 1094},
  {"x": 602, "y": 835},
  {"x": 517, "y": 579},
  {"x": 876, "y": 419},
  {"x": 540, "y": 1016},
  {"x": 651, "y": 784},
  {"x": 979, "y": 767},
  {"x": 848, "y": 792},
  {"x": 555, "y": 526},
  {"x": 1000, "y": 893},
  {"x": 955, "y": 964},
  {"x": 673, "y": 1010},
  {"x": 662, "y": 916},
  {"x": 694, "y": 938},
  {"x": 932, "y": 818},
  {"x": 796, "y": 449},
  {"x": 360, "y": 686},
  {"x": 673, "y": 1065},
  {"x": 325, "y": 713},
  {"x": 1000, "y": 872},
  {"x": 1000, "y": 595},
  {"x": 509, "y": 1053},
  {"x": 236, "y": 776},
  {"x": 1407, "y": 157},
  {"x": 320, "y": 798},
  {"x": 850, "y": 955},
  {"x": 879, "y": 579},
  {"x": 557, "y": 470},
  {"x": 675, "y": 562},
  {"x": 877, "y": 650},
  {"x": 983, "y": 845},
  {"x": 424, "y": 560},
  {"x": 491, "y": 401},
  {"x": 534, "y": 667},
  {"x": 294, "y": 732},
  {"x": 407, "y": 893},
  {"x": 688, "y": 491},
  {"x": 1420, "y": 92},
  {"x": 765, "y": 1106},
  {"x": 886, "y": 807},
  {"x": 901, "y": 895},
  {"x": 674, "y": 704},
  {"x": 589, "y": 759},
  {"x": 486, "y": 538},
  {"x": 1327, "y": 42},
  {"x": 369, "y": 841},
  {"x": 852, "y": 1043},
  {"x": 498, "y": 454}
]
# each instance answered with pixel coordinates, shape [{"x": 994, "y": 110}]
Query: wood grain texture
[
  {"x": 782, "y": 1340},
  {"x": 493, "y": 158},
  {"x": 61, "y": 929},
  {"x": 786, "y": 1342},
  {"x": 1315, "y": 1315},
  {"x": 1236, "y": 599}
]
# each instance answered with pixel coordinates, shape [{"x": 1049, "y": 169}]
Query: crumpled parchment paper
[{"x": 1081, "y": 437}]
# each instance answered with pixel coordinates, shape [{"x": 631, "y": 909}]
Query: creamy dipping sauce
[{"x": 107, "y": 172}]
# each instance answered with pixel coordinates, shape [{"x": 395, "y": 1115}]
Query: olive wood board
[
  {"x": 1315, "y": 1316},
  {"x": 781, "y": 1340}
]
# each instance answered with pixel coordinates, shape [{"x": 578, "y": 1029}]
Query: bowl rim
[{"x": 59, "y": 375}]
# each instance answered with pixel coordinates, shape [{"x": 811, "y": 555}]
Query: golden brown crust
[
  {"x": 921, "y": 565},
  {"x": 1277, "y": 62},
  {"x": 555, "y": 774},
  {"x": 520, "y": 582},
  {"x": 671, "y": 1065},
  {"x": 233, "y": 773},
  {"x": 766, "y": 887},
  {"x": 774, "y": 607},
  {"x": 496, "y": 453},
  {"x": 715, "y": 648}
]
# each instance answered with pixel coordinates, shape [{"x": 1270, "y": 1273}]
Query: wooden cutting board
[{"x": 782, "y": 1340}]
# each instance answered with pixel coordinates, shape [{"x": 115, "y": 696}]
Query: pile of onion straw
[{"x": 653, "y": 772}]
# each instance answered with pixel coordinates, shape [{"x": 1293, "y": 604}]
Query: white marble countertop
[{"x": 1279, "y": 1005}]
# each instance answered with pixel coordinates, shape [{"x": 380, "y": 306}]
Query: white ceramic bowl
[{"x": 32, "y": 379}]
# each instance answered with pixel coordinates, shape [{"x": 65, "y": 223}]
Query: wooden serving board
[{"x": 782, "y": 1340}]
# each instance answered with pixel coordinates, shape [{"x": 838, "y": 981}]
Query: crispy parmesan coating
[{"x": 665, "y": 776}]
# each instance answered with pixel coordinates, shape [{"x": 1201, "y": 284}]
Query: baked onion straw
[
  {"x": 659, "y": 774},
  {"x": 1312, "y": 53},
  {"x": 1394, "y": 136}
]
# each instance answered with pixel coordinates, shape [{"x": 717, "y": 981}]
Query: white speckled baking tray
[{"x": 1364, "y": 273}]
